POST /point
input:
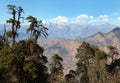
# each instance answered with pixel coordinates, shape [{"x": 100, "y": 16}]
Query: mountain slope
[
  {"x": 66, "y": 48},
  {"x": 106, "y": 39}
]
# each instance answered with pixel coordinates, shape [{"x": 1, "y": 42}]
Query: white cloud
[
  {"x": 85, "y": 19},
  {"x": 100, "y": 20},
  {"x": 103, "y": 16},
  {"x": 59, "y": 19},
  {"x": 44, "y": 21},
  {"x": 118, "y": 19},
  {"x": 82, "y": 19},
  {"x": 92, "y": 21},
  {"x": 82, "y": 16},
  {"x": 91, "y": 17},
  {"x": 106, "y": 20}
]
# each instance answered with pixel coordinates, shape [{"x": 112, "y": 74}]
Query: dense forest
[{"x": 24, "y": 61}]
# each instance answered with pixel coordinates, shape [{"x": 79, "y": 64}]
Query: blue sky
[{"x": 54, "y": 10}]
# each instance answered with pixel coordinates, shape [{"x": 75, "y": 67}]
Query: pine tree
[{"x": 56, "y": 69}]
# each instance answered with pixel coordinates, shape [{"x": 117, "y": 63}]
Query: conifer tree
[{"x": 56, "y": 69}]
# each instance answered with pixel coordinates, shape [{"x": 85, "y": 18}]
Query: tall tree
[
  {"x": 56, "y": 69},
  {"x": 88, "y": 57},
  {"x": 83, "y": 55},
  {"x": 32, "y": 20},
  {"x": 15, "y": 20},
  {"x": 36, "y": 28}
]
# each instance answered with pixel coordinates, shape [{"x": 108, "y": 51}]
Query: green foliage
[
  {"x": 89, "y": 59},
  {"x": 9, "y": 34},
  {"x": 85, "y": 50},
  {"x": 115, "y": 64},
  {"x": 56, "y": 69},
  {"x": 25, "y": 61},
  {"x": 36, "y": 28},
  {"x": 112, "y": 51},
  {"x": 5, "y": 57},
  {"x": 100, "y": 55},
  {"x": 36, "y": 72},
  {"x": 70, "y": 78},
  {"x": 15, "y": 21},
  {"x": 1, "y": 42}
]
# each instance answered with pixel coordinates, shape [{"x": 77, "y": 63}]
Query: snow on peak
[{"x": 59, "y": 19}]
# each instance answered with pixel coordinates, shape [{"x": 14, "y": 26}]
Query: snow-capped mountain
[
  {"x": 66, "y": 30},
  {"x": 70, "y": 31}
]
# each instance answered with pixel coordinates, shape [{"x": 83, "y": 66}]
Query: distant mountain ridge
[
  {"x": 106, "y": 39},
  {"x": 117, "y": 32},
  {"x": 70, "y": 31},
  {"x": 66, "y": 31}
]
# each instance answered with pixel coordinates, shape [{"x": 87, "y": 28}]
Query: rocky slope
[
  {"x": 67, "y": 48},
  {"x": 106, "y": 39}
]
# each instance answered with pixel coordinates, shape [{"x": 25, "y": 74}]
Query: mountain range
[
  {"x": 66, "y": 48},
  {"x": 64, "y": 30},
  {"x": 70, "y": 31}
]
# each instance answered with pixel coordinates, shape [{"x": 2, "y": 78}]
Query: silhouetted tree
[
  {"x": 36, "y": 28},
  {"x": 15, "y": 20},
  {"x": 56, "y": 69}
]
